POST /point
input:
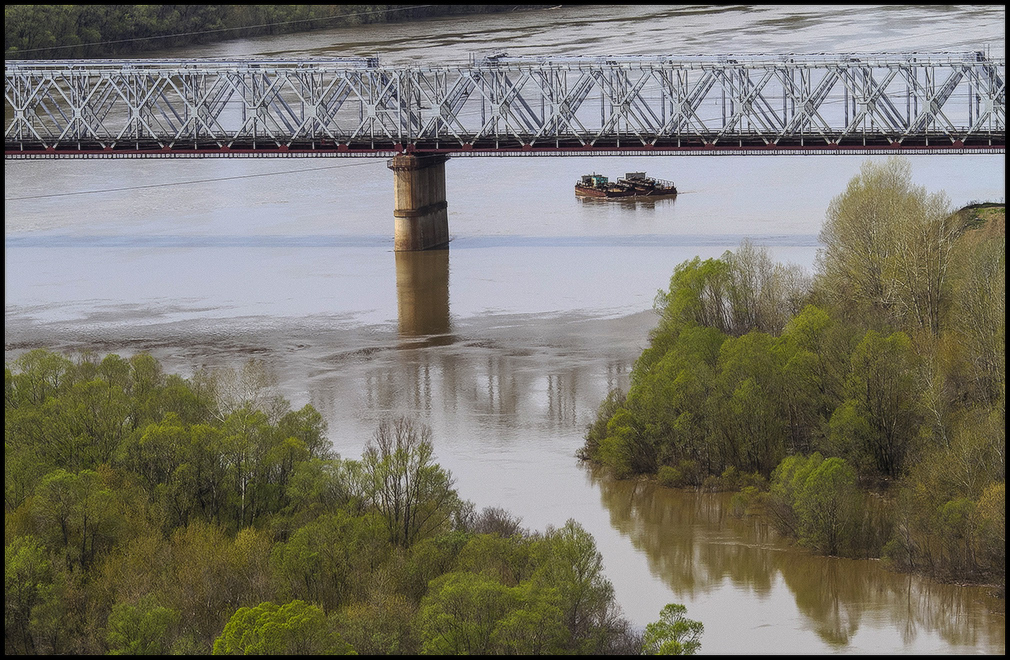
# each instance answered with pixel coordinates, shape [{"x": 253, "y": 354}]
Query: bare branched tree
[{"x": 412, "y": 492}]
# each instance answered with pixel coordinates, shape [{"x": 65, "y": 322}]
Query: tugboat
[{"x": 633, "y": 184}]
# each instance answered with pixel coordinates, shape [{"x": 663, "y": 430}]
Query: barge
[{"x": 632, "y": 184}]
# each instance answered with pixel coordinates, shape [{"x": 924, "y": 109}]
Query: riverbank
[
  {"x": 869, "y": 422},
  {"x": 90, "y": 31},
  {"x": 988, "y": 216}
]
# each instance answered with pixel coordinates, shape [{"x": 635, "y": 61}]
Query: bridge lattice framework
[{"x": 501, "y": 105}]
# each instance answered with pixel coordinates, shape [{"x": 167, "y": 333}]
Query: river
[{"x": 505, "y": 344}]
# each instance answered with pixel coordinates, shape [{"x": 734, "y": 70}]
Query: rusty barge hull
[{"x": 621, "y": 194}]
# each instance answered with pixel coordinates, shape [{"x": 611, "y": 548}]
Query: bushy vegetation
[
  {"x": 85, "y": 31},
  {"x": 148, "y": 514},
  {"x": 674, "y": 633},
  {"x": 871, "y": 397}
]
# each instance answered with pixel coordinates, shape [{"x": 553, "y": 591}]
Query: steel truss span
[{"x": 551, "y": 105}]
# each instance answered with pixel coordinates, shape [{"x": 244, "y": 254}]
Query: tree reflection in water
[{"x": 695, "y": 544}]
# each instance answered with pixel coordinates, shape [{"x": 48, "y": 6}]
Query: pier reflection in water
[{"x": 422, "y": 296}]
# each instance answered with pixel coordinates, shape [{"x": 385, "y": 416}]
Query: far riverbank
[{"x": 38, "y": 32}]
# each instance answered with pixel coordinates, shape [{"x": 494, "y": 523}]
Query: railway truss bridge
[{"x": 419, "y": 116}]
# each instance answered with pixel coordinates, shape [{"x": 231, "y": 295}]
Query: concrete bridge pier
[{"x": 420, "y": 211}]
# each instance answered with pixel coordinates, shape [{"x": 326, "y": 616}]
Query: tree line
[
  {"x": 862, "y": 408},
  {"x": 89, "y": 31},
  {"x": 146, "y": 513}
]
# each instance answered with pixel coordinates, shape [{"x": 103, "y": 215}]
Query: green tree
[
  {"x": 748, "y": 407},
  {"x": 628, "y": 448},
  {"x": 141, "y": 629},
  {"x": 698, "y": 295},
  {"x": 428, "y": 559},
  {"x": 295, "y": 628},
  {"x": 309, "y": 428},
  {"x": 27, "y": 582},
  {"x": 787, "y": 483},
  {"x": 662, "y": 420},
  {"x": 329, "y": 561},
  {"x": 210, "y": 575},
  {"x": 536, "y": 627},
  {"x": 317, "y": 486},
  {"x": 38, "y": 376},
  {"x": 763, "y": 294},
  {"x": 45, "y": 602},
  {"x": 79, "y": 514},
  {"x": 741, "y": 291},
  {"x": 597, "y": 430},
  {"x": 156, "y": 451},
  {"x": 877, "y": 425},
  {"x": 979, "y": 314},
  {"x": 146, "y": 384},
  {"x": 569, "y": 563},
  {"x": 98, "y": 413},
  {"x": 826, "y": 505},
  {"x": 816, "y": 501},
  {"x": 947, "y": 504},
  {"x": 815, "y": 351},
  {"x": 402, "y": 481},
  {"x": 507, "y": 559},
  {"x": 704, "y": 393},
  {"x": 381, "y": 625},
  {"x": 673, "y": 634},
  {"x": 475, "y": 614},
  {"x": 197, "y": 488},
  {"x": 991, "y": 531},
  {"x": 461, "y": 612},
  {"x": 888, "y": 248}
]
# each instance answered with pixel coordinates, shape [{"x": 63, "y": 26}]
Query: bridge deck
[{"x": 905, "y": 103}]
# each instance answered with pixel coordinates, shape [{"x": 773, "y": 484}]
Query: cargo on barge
[{"x": 633, "y": 184}]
